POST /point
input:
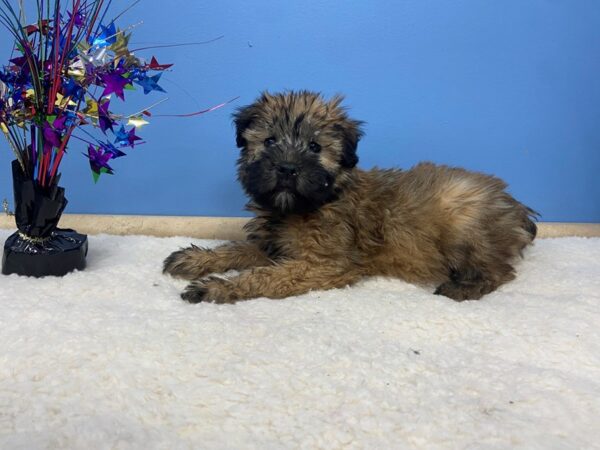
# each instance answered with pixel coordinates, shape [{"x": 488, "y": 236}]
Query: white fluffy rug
[{"x": 112, "y": 358}]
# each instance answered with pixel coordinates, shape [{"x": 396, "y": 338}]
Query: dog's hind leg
[
  {"x": 470, "y": 283},
  {"x": 194, "y": 262},
  {"x": 277, "y": 281}
]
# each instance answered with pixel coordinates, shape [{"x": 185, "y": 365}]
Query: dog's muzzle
[{"x": 287, "y": 174}]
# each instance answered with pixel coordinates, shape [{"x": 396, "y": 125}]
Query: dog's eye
[
  {"x": 314, "y": 147},
  {"x": 270, "y": 141}
]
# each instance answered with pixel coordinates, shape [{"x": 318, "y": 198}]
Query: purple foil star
[
  {"x": 114, "y": 82},
  {"x": 104, "y": 120},
  {"x": 131, "y": 137},
  {"x": 99, "y": 159},
  {"x": 77, "y": 20},
  {"x": 59, "y": 123},
  {"x": 51, "y": 137}
]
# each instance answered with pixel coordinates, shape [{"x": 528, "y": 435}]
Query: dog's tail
[{"x": 529, "y": 219}]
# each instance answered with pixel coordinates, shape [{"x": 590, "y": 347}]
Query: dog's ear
[
  {"x": 351, "y": 132},
  {"x": 242, "y": 119},
  {"x": 245, "y": 115}
]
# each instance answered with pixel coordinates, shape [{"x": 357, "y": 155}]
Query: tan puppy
[{"x": 322, "y": 223}]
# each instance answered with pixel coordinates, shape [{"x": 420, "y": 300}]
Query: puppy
[{"x": 322, "y": 223}]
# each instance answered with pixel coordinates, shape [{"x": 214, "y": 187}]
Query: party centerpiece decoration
[{"x": 58, "y": 86}]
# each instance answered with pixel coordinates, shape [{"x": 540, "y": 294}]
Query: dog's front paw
[
  {"x": 461, "y": 292},
  {"x": 187, "y": 263},
  {"x": 194, "y": 293},
  {"x": 211, "y": 290},
  {"x": 173, "y": 262}
]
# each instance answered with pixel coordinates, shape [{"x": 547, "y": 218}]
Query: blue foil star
[
  {"x": 150, "y": 84},
  {"x": 121, "y": 136},
  {"x": 109, "y": 148},
  {"x": 106, "y": 37},
  {"x": 124, "y": 138}
]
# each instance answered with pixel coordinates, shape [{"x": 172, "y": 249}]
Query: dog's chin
[{"x": 284, "y": 201}]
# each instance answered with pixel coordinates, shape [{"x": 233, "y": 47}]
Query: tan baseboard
[
  {"x": 226, "y": 228},
  {"x": 229, "y": 228},
  {"x": 563, "y": 229}
]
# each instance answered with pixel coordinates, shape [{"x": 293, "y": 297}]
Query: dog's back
[{"x": 449, "y": 223}]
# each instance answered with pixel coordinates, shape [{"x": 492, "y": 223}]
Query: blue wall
[{"x": 507, "y": 87}]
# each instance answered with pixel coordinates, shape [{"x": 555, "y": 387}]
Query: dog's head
[{"x": 296, "y": 150}]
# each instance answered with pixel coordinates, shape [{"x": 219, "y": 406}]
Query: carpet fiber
[{"x": 111, "y": 358}]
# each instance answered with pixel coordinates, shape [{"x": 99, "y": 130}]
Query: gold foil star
[
  {"x": 77, "y": 70},
  {"x": 137, "y": 121},
  {"x": 63, "y": 102},
  {"x": 91, "y": 108},
  {"x": 120, "y": 47}
]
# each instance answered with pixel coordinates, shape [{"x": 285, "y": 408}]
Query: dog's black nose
[{"x": 287, "y": 169}]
